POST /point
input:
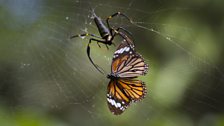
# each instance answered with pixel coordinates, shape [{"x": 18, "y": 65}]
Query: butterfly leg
[
  {"x": 126, "y": 31},
  {"x": 121, "y": 34}
]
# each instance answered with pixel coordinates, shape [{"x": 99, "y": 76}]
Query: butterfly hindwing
[
  {"x": 116, "y": 98},
  {"x": 133, "y": 88},
  {"x": 121, "y": 92}
]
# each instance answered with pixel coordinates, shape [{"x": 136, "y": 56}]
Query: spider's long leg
[
  {"x": 85, "y": 34},
  {"x": 88, "y": 54},
  {"x": 116, "y": 14}
]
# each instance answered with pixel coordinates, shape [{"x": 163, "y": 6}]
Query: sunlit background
[{"x": 46, "y": 79}]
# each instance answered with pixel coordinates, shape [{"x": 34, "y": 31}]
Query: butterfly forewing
[
  {"x": 121, "y": 92},
  {"x": 127, "y": 63}
]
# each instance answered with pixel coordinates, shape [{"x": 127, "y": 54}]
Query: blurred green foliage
[
  {"x": 47, "y": 80},
  {"x": 26, "y": 117}
]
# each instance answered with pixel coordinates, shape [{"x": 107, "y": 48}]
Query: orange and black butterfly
[{"x": 123, "y": 88}]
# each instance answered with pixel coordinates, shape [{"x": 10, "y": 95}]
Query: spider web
[{"x": 53, "y": 73}]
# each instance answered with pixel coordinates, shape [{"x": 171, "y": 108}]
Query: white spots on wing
[
  {"x": 114, "y": 103},
  {"x": 121, "y": 50},
  {"x": 118, "y": 105},
  {"x": 127, "y": 49},
  {"x": 108, "y": 99},
  {"x": 132, "y": 46},
  {"x": 146, "y": 69},
  {"x": 115, "y": 56}
]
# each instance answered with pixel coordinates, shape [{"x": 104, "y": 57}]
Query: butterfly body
[{"x": 124, "y": 88}]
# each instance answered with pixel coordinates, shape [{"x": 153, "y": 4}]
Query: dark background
[{"x": 46, "y": 79}]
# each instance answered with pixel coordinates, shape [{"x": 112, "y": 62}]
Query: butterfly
[{"x": 124, "y": 88}]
